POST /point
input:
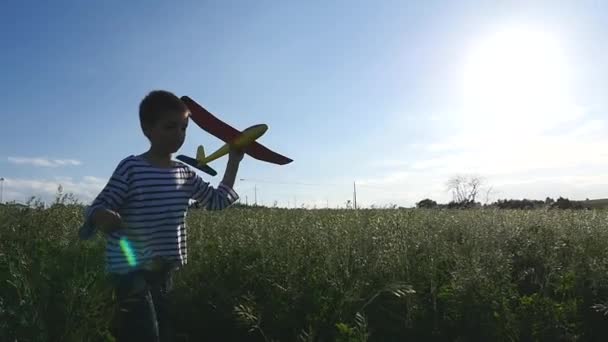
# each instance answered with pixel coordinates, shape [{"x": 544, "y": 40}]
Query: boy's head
[{"x": 164, "y": 119}]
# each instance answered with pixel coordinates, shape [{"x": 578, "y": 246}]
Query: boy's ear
[{"x": 145, "y": 129}]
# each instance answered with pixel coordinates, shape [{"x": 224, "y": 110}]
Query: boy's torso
[{"x": 154, "y": 213}]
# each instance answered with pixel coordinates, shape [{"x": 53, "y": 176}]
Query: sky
[{"x": 393, "y": 97}]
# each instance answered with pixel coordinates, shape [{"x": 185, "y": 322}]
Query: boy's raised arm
[
  {"x": 211, "y": 198},
  {"x": 224, "y": 195}
]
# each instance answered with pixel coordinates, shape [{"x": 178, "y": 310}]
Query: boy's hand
[
  {"x": 235, "y": 155},
  {"x": 234, "y": 159},
  {"x": 107, "y": 220}
]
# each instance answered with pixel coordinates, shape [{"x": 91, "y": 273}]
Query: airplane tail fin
[{"x": 200, "y": 154}]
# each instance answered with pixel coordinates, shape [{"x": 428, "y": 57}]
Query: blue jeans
[{"x": 143, "y": 306}]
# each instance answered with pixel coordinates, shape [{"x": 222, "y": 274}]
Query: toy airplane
[
  {"x": 194, "y": 163},
  {"x": 233, "y": 138}
]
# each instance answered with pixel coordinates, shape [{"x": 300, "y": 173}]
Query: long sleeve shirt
[{"x": 152, "y": 202}]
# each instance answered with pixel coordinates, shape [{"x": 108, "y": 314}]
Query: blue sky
[{"x": 398, "y": 96}]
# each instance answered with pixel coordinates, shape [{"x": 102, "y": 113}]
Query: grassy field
[{"x": 327, "y": 275}]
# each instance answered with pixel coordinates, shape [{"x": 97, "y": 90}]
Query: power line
[
  {"x": 374, "y": 189},
  {"x": 385, "y": 190},
  {"x": 287, "y": 183},
  {"x": 316, "y": 184}
]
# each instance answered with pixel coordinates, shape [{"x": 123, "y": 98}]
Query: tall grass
[{"x": 327, "y": 275}]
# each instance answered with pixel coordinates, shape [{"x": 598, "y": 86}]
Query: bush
[{"x": 426, "y": 204}]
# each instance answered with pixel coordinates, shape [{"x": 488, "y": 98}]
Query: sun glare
[{"x": 517, "y": 79}]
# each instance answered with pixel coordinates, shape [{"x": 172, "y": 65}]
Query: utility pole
[
  {"x": 1, "y": 188},
  {"x": 354, "y": 195},
  {"x": 255, "y": 191}
]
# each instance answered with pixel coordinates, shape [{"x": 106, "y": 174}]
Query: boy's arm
[
  {"x": 103, "y": 214},
  {"x": 231, "y": 170},
  {"x": 224, "y": 195}
]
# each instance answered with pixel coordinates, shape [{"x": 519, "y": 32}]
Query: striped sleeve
[
  {"x": 212, "y": 198},
  {"x": 112, "y": 197}
]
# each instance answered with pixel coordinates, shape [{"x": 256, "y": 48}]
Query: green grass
[{"x": 324, "y": 275}]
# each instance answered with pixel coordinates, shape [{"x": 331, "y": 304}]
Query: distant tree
[
  {"x": 564, "y": 203},
  {"x": 489, "y": 191},
  {"x": 524, "y": 204},
  {"x": 466, "y": 204},
  {"x": 464, "y": 188},
  {"x": 426, "y": 203}
]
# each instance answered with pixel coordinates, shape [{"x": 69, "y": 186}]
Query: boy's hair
[{"x": 156, "y": 104}]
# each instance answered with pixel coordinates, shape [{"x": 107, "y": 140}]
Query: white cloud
[
  {"x": 564, "y": 161},
  {"x": 522, "y": 154},
  {"x": 21, "y": 189},
  {"x": 384, "y": 163},
  {"x": 387, "y": 180},
  {"x": 62, "y": 162},
  {"x": 43, "y": 162},
  {"x": 94, "y": 180}
]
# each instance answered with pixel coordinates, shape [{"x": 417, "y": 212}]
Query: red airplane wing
[
  {"x": 260, "y": 152},
  {"x": 227, "y": 133},
  {"x": 209, "y": 122}
]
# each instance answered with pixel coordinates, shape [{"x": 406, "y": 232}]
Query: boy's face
[{"x": 169, "y": 132}]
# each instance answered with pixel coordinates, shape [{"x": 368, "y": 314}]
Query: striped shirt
[{"x": 152, "y": 202}]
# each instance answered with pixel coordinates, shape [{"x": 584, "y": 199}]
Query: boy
[{"x": 142, "y": 212}]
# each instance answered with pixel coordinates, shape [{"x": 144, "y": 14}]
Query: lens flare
[{"x": 128, "y": 252}]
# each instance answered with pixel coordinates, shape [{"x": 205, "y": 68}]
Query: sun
[{"x": 517, "y": 79}]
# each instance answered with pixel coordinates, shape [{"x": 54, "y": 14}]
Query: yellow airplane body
[{"x": 248, "y": 136}]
